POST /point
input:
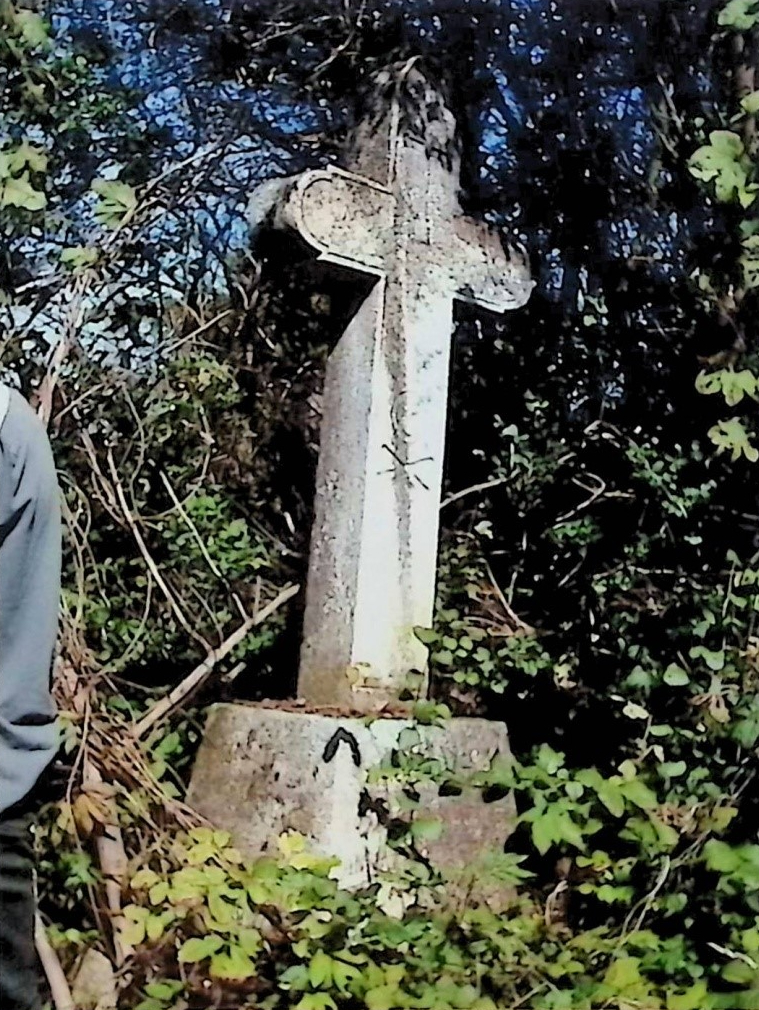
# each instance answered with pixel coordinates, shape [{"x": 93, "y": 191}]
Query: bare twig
[
  {"x": 199, "y": 541},
  {"x": 485, "y": 486},
  {"x": 152, "y": 566},
  {"x": 193, "y": 680},
  {"x": 519, "y": 624}
]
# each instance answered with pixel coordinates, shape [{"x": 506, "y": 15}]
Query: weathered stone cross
[{"x": 396, "y": 217}]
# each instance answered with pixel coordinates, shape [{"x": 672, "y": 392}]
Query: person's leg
[
  {"x": 19, "y": 967},
  {"x": 30, "y": 550}
]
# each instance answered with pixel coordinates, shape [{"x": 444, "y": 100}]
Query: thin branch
[
  {"x": 485, "y": 486},
  {"x": 152, "y": 566},
  {"x": 192, "y": 681}
]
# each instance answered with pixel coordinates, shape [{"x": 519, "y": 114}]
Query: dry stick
[
  {"x": 54, "y": 973},
  {"x": 512, "y": 615},
  {"x": 113, "y": 865},
  {"x": 193, "y": 680}
]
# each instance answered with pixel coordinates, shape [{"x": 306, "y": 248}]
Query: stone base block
[{"x": 262, "y": 771}]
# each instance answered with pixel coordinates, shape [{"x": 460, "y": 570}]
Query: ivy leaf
[
  {"x": 320, "y": 970},
  {"x": 750, "y": 104},
  {"x": 117, "y": 202},
  {"x": 733, "y": 385},
  {"x": 20, "y": 193},
  {"x": 25, "y": 156},
  {"x": 731, "y": 436},
  {"x": 740, "y": 15},
  {"x": 724, "y": 162},
  {"x": 343, "y": 974}
]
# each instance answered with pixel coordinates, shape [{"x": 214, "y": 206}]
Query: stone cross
[{"x": 395, "y": 217}]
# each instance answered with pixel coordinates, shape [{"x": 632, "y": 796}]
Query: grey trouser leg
[
  {"x": 30, "y": 566},
  {"x": 19, "y": 968}
]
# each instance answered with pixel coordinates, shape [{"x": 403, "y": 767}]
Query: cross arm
[{"x": 345, "y": 218}]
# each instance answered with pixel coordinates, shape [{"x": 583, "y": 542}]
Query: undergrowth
[{"x": 599, "y": 580}]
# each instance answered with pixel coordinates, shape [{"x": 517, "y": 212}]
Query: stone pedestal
[{"x": 261, "y": 772}]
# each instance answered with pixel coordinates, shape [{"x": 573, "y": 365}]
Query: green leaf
[
  {"x": 250, "y": 941},
  {"x": 750, "y": 104},
  {"x": 316, "y": 1001},
  {"x": 428, "y": 636},
  {"x": 731, "y": 384},
  {"x": 622, "y": 974},
  {"x": 20, "y": 193},
  {"x": 721, "y": 857},
  {"x": 164, "y": 991},
  {"x": 32, "y": 28},
  {"x": 320, "y": 970},
  {"x": 383, "y": 997},
  {"x": 198, "y": 949},
  {"x": 693, "y": 999},
  {"x": 715, "y": 660},
  {"x": 233, "y": 964},
  {"x": 731, "y": 436},
  {"x": 610, "y": 794},
  {"x": 740, "y": 15},
  {"x": 675, "y": 676},
  {"x": 26, "y": 156},
  {"x": 673, "y": 769},
  {"x": 117, "y": 202},
  {"x": 343, "y": 974},
  {"x": 637, "y": 792},
  {"x": 724, "y": 162}
]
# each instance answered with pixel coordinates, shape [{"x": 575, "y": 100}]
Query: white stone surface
[
  {"x": 261, "y": 772},
  {"x": 375, "y": 537},
  {"x": 94, "y": 986}
]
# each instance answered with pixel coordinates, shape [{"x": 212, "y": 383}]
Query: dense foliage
[{"x": 599, "y": 573}]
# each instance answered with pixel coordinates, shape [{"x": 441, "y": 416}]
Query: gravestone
[{"x": 394, "y": 217}]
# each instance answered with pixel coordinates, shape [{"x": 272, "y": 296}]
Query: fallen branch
[
  {"x": 54, "y": 973},
  {"x": 113, "y": 866},
  {"x": 193, "y": 680}
]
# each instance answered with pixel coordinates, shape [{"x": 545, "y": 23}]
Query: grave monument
[{"x": 394, "y": 217}]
